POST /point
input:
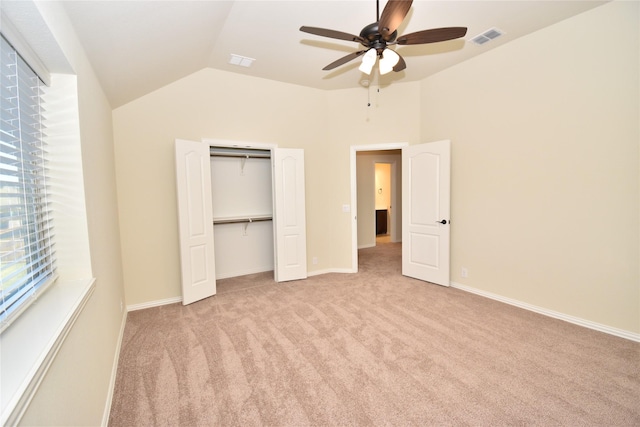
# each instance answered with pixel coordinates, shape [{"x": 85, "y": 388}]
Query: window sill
[{"x": 29, "y": 345}]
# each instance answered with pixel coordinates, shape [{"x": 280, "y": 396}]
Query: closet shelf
[
  {"x": 242, "y": 219},
  {"x": 242, "y": 154}
]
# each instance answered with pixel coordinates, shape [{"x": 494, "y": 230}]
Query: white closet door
[
  {"x": 195, "y": 220},
  {"x": 289, "y": 215}
]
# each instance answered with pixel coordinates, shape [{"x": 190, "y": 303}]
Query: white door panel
[
  {"x": 425, "y": 203},
  {"x": 195, "y": 220},
  {"x": 289, "y": 215}
]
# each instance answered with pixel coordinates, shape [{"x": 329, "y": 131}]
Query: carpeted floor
[{"x": 373, "y": 348}]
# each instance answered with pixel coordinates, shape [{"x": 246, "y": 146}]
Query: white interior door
[
  {"x": 195, "y": 220},
  {"x": 425, "y": 211},
  {"x": 289, "y": 215}
]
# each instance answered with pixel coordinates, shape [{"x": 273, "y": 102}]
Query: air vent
[
  {"x": 242, "y": 61},
  {"x": 487, "y": 36}
]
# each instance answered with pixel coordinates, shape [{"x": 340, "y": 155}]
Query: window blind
[{"x": 27, "y": 263}]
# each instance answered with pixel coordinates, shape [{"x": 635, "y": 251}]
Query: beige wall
[
  {"x": 393, "y": 117},
  {"x": 545, "y": 184},
  {"x": 75, "y": 390},
  {"x": 208, "y": 104},
  {"x": 545, "y": 179},
  {"x": 240, "y": 108},
  {"x": 383, "y": 185}
]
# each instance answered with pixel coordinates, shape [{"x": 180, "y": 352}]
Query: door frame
[{"x": 354, "y": 149}]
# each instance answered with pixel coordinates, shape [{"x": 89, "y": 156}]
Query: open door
[
  {"x": 425, "y": 211},
  {"x": 289, "y": 214},
  {"x": 195, "y": 220}
]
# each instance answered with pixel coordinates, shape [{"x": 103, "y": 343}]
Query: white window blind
[{"x": 27, "y": 264}]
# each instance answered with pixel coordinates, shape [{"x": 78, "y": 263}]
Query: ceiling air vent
[
  {"x": 487, "y": 36},
  {"x": 242, "y": 61}
]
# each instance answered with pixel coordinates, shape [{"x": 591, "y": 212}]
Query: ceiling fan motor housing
[
  {"x": 373, "y": 38},
  {"x": 379, "y": 34}
]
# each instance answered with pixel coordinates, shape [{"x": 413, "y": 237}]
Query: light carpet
[{"x": 372, "y": 348}]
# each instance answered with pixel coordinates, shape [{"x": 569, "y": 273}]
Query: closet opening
[
  {"x": 242, "y": 203},
  {"x": 241, "y": 211}
]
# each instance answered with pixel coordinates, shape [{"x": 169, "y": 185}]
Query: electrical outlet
[
  {"x": 121, "y": 306},
  {"x": 314, "y": 260},
  {"x": 464, "y": 272}
]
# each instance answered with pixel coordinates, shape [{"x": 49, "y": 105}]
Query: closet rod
[
  {"x": 241, "y": 220},
  {"x": 242, "y": 156}
]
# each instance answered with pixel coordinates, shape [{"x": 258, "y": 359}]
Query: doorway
[
  {"x": 364, "y": 192},
  {"x": 378, "y": 184},
  {"x": 425, "y": 191},
  {"x": 383, "y": 192}
]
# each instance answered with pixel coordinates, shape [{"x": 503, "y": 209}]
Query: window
[{"x": 27, "y": 264}]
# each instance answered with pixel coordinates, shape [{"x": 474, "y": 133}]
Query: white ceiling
[{"x": 139, "y": 46}]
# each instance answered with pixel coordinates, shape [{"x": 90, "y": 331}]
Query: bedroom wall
[
  {"x": 535, "y": 181},
  {"x": 545, "y": 181},
  {"x": 393, "y": 117},
  {"x": 221, "y": 105},
  {"x": 207, "y": 104},
  {"x": 77, "y": 386}
]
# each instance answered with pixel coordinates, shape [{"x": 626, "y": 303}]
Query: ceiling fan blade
[
  {"x": 392, "y": 16},
  {"x": 332, "y": 34},
  {"x": 432, "y": 36},
  {"x": 401, "y": 65},
  {"x": 344, "y": 60}
]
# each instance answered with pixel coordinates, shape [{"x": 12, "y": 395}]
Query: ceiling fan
[{"x": 378, "y": 36}]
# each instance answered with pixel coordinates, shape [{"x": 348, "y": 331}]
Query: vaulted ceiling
[{"x": 139, "y": 46}]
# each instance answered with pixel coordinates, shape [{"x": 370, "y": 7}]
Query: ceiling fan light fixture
[
  {"x": 388, "y": 60},
  {"x": 377, "y": 36},
  {"x": 368, "y": 61}
]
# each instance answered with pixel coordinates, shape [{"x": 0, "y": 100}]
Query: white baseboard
[
  {"x": 632, "y": 336},
  {"x": 174, "y": 300},
  {"x": 114, "y": 371},
  {"x": 156, "y": 303},
  {"x": 546, "y": 312}
]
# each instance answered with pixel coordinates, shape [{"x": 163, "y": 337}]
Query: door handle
[{"x": 444, "y": 221}]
